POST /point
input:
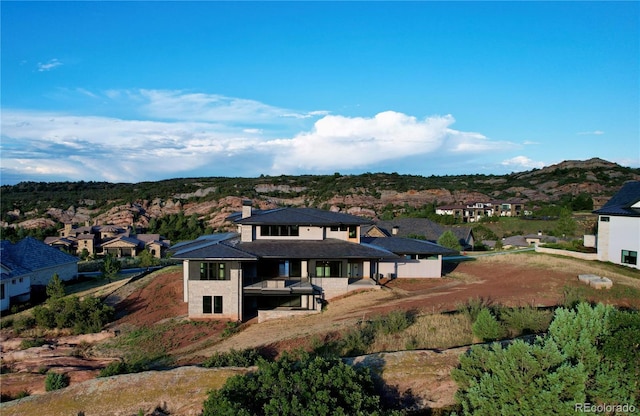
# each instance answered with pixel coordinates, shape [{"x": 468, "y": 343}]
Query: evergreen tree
[
  {"x": 449, "y": 240},
  {"x": 55, "y": 288}
]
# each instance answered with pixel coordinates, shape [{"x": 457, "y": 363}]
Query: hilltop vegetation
[{"x": 204, "y": 203}]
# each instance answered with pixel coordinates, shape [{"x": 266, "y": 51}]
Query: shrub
[
  {"x": 297, "y": 386},
  {"x": 55, "y": 288},
  {"x": 473, "y": 307},
  {"x": 56, "y": 381},
  {"x": 230, "y": 329},
  {"x": 233, "y": 358},
  {"x": 86, "y": 316},
  {"x": 527, "y": 320},
  {"x": 23, "y": 323},
  {"x": 31, "y": 343},
  {"x": 519, "y": 379},
  {"x": 6, "y": 323},
  {"x": 591, "y": 354},
  {"x": 486, "y": 327},
  {"x": 118, "y": 367}
]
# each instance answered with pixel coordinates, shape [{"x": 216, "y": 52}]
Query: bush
[
  {"x": 23, "y": 323},
  {"x": 117, "y": 367},
  {"x": 56, "y": 381},
  {"x": 297, "y": 386},
  {"x": 31, "y": 343},
  {"x": 590, "y": 355},
  {"x": 487, "y": 327},
  {"x": 86, "y": 316},
  {"x": 233, "y": 358},
  {"x": 527, "y": 320}
]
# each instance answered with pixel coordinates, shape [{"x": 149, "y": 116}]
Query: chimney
[
  {"x": 246, "y": 208},
  {"x": 394, "y": 230}
]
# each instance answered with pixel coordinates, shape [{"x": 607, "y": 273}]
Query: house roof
[
  {"x": 401, "y": 246},
  {"x": 228, "y": 246},
  {"x": 424, "y": 227},
  {"x": 299, "y": 216},
  {"x": 211, "y": 246},
  {"x": 29, "y": 255},
  {"x": 625, "y": 203},
  {"x": 317, "y": 249}
]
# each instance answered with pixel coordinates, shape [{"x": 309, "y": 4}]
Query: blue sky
[{"x": 138, "y": 91}]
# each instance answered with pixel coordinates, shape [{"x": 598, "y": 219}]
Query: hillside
[{"x": 39, "y": 205}]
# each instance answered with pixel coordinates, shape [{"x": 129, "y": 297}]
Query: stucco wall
[
  {"x": 425, "y": 268},
  {"x": 623, "y": 234},
  {"x": 230, "y": 290}
]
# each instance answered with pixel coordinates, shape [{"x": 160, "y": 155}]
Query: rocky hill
[{"x": 38, "y": 205}]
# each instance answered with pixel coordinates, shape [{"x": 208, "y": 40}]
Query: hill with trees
[{"x": 202, "y": 204}]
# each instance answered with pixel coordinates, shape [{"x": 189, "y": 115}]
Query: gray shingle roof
[
  {"x": 424, "y": 227},
  {"x": 29, "y": 255},
  {"x": 621, "y": 203},
  {"x": 402, "y": 246},
  {"x": 228, "y": 246},
  {"x": 313, "y": 249}
]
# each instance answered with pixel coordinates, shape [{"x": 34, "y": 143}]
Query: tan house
[{"x": 100, "y": 240}]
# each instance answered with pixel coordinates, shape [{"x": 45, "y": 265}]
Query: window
[
  {"x": 629, "y": 257},
  {"x": 604, "y": 219},
  {"x": 207, "y": 304},
  {"x": 353, "y": 231},
  {"x": 329, "y": 269},
  {"x": 217, "y": 304},
  {"x": 212, "y": 271},
  {"x": 279, "y": 230}
]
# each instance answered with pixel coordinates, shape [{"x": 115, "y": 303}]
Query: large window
[
  {"x": 207, "y": 304},
  {"x": 279, "y": 231},
  {"x": 217, "y": 304},
  {"x": 629, "y": 257},
  {"x": 213, "y": 271},
  {"x": 328, "y": 269},
  {"x": 211, "y": 304}
]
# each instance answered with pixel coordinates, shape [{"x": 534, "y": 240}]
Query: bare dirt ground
[{"x": 513, "y": 279}]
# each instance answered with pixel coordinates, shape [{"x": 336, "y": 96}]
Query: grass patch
[{"x": 32, "y": 343}]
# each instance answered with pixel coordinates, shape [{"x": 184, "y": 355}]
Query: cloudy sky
[{"x": 138, "y": 91}]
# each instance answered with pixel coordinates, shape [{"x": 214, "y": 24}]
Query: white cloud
[
  {"x": 179, "y": 134},
  {"x": 522, "y": 162},
  {"x": 48, "y": 66},
  {"x": 591, "y": 133}
]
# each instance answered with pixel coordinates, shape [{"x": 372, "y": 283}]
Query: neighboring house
[
  {"x": 111, "y": 239},
  {"x": 618, "y": 239},
  {"x": 29, "y": 265},
  {"x": 475, "y": 211},
  {"x": 420, "y": 228},
  {"x": 281, "y": 262}
]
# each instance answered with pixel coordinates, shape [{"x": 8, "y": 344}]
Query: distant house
[
  {"x": 107, "y": 239},
  {"x": 419, "y": 228},
  {"x": 475, "y": 211},
  {"x": 29, "y": 265},
  {"x": 618, "y": 239},
  {"x": 288, "y": 261}
]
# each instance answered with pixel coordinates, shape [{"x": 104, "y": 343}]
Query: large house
[
  {"x": 29, "y": 265},
  {"x": 618, "y": 239},
  {"x": 290, "y": 260},
  {"x": 107, "y": 239}
]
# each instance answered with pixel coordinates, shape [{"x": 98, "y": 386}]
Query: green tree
[
  {"x": 297, "y": 386},
  {"x": 146, "y": 259},
  {"x": 486, "y": 327},
  {"x": 55, "y": 288},
  {"x": 56, "y": 381},
  {"x": 566, "y": 225},
  {"x": 519, "y": 379},
  {"x": 449, "y": 240},
  {"x": 110, "y": 267}
]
